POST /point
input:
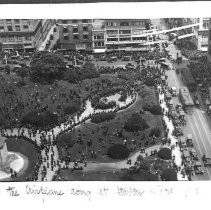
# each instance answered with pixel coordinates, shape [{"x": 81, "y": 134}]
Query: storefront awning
[{"x": 99, "y": 50}]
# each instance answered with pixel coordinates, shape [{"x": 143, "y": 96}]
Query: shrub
[
  {"x": 123, "y": 96},
  {"x": 135, "y": 123},
  {"x": 65, "y": 140},
  {"x": 165, "y": 153},
  {"x": 169, "y": 174},
  {"x": 102, "y": 105},
  {"x": 154, "y": 132},
  {"x": 46, "y": 67},
  {"x": 155, "y": 109},
  {"x": 149, "y": 81},
  {"x": 71, "y": 109},
  {"x": 41, "y": 120},
  {"x": 102, "y": 117},
  {"x": 118, "y": 151}
]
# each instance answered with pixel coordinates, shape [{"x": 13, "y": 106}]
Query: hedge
[
  {"x": 165, "y": 153},
  {"x": 135, "y": 123},
  {"x": 118, "y": 151}
]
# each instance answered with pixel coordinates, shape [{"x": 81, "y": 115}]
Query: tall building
[
  {"x": 98, "y": 36},
  {"x": 209, "y": 45},
  {"x": 202, "y": 34},
  {"x": 75, "y": 34},
  {"x": 22, "y": 34},
  {"x": 126, "y": 34}
]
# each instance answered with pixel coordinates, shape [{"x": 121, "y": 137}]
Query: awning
[{"x": 99, "y": 50}]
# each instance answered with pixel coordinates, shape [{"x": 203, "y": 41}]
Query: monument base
[{"x": 17, "y": 162}]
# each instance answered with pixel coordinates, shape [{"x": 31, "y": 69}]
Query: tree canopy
[
  {"x": 136, "y": 123},
  {"x": 47, "y": 67}
]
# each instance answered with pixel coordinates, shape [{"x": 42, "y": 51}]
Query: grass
[
  {"x": 101, "y": 142},
  {"x": 27, "y": 149}
]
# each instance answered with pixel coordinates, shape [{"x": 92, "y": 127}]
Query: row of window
[
  {"x": 16, "y": 28},
  {"x": 126, "y": 23},
  {"x": 75, "y": 29},
  {"x": 17, "y": 38},
  {"x": 99, "y": 44},
  {"x": 126, "y": 39},
  {"x": 75, "y": 21},
  {"x": 76, "y": 37}
]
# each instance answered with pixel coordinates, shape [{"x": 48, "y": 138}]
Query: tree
[
  {"x": 7, "y": 69},
  {"x": 149, "y": 81},
  {"x": 155, "y": 109},
  {"x": 72, "y": 109},
  {"x": 165, "y": 153},
  {"x": 47, "y": 67},
  {"x": 1, "y": 46},
  {"x": 23, "y": 72},
  {"x": 154, "y": 132},
  {"x": 135, "y": 123},
  {"x": 89, "y": 71},
  {"x": 169, "y": 174},
  {"x": 118, "y": 151}
]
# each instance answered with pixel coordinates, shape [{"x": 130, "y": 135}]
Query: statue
[{"x": 3, "y": 152}]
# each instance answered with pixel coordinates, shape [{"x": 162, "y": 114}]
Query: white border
[{"x": 107, "y": 10}]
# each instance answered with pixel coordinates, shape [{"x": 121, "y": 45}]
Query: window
[
  {"x": 19, "y": 38},
  {"x": 1, "y": 22},
  {"x": 85, "y": 28},
  {"x": 124, "y": 32},
  {"x": 124, "y": 23},
  {"x": 3, "y": 39},
  {"x": 66, "y": 37},
  {"x": 75, "y": 30},
  {"x": 74, "y": 21},
  {"x": 111, "y": 24},
  {"x": 1, "y": 28},
  {"x": 125, "y": 39},
  {"x": 17, "y": 28},
  {"x": 11, "y": 39},
  {"x": 84, "y": 21},
  {"x": 99, "y": 44},
  {"x": 64, "y": 21},
  {"x": 112, "y": 32},
  {"x": 138, "y": 23},
  {"x": 28, "y": 38},
  {"x": 112, "y": 39},
  {"x": 9, "y": 28},
  {"x": 9, "y": 21},
  {"x": 17, "y": 21},
  {"x": 85, "y": 36},
  {"x": 25, "y": 27},
  {"x": 75, "y": 37},
  {"x": 98, "y": 37},
  {"x": 65, "y": 30}
]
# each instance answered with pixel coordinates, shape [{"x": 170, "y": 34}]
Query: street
[{"x": 198, "y": 124}]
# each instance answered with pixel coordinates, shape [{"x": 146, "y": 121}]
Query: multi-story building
[
  {"x": 202, "y": 34},
  {"x": 209, "y": 45},
  {"x": 22, "y": 34},
  {"x": 75, "y": 34},
  {"x": 126, "y": 34},
  {"x": 98, "y": 36}
]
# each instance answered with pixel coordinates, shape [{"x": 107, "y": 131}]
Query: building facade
[
  {"x": 209, "y": 45},
  {"x": 98, "y": 36},
  {"x": 126, "y": 34},
  {"x": 75, "y": 34},
  {"x": 21, "y": 34},
  {"x": 202, "y": 34}
]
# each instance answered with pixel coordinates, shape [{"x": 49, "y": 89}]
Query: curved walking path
[{"x": 52, "y": 155}]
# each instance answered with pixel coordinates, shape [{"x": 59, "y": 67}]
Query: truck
[{"x": 185, "y": 97}]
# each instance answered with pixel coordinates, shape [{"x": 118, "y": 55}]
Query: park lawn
[
  {"x": 96, "y": 133},
  {"x": 27, "y": 149}
]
